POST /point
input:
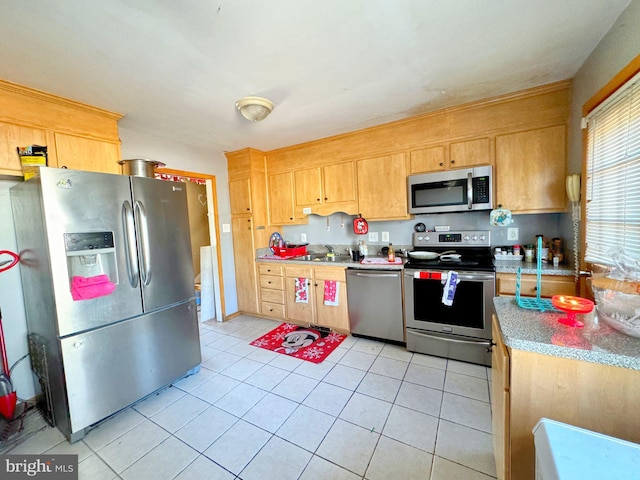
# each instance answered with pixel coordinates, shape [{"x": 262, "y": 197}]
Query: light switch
[
  {"x": 226, "y": 228},
  {"x": 512, "y": 234},
  {"x": 385, "y": 236},
  {"x": 303, "y": 237}
]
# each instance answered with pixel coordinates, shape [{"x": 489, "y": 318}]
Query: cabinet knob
[
  {"x": 290, "y": 218},
  {"x": 248, "y": 209},
  {"x": 269, "y": 282},
  {"x": 441, "y": 164},
  {"x": 452, "y": 162},
  {"x": 317, "y": 199},
  {"x": 326, "y": 198}
]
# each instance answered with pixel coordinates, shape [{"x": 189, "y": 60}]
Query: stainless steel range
[{"x": 448, "y": 300}]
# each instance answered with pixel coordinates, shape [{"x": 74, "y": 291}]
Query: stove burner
[{"x": 472, "y": 247}]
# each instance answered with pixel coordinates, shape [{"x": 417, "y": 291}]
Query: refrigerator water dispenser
[{"x": 91, "y": 254}]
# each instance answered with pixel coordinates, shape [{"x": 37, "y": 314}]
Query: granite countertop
[
  {"x": 540, "y": 332},
  {"x": 319, "y": 263}
]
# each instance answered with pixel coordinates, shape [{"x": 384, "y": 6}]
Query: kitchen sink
[{"x": 322, "y": 257}]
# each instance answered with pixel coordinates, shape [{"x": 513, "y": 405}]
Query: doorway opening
[{"x": 205, "y": 239}]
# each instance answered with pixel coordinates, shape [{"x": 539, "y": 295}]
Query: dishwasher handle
[{"x": 375, "y": 275}]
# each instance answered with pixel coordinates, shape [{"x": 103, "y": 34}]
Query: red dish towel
[
  {"x": 84, "y": 288},
  {"x": 302, "y": 290},
  {"x": 331, "y": 293}
]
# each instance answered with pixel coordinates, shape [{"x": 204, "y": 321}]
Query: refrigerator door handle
[
  {"x": 130, "y": 243},
  {"x": 145, "y": 250}
]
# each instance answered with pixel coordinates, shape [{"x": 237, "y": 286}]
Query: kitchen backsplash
[{"x": 338, "y": 228}]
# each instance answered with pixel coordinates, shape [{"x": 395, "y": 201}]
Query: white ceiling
[{"x": 176, "y": 68}]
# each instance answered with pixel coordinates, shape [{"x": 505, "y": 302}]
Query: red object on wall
[{"x": 360, "y": 225}]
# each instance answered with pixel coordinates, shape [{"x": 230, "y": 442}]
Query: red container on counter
[{"x": 290, "y": 251}]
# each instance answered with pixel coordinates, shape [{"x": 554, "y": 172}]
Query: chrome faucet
[{"x": 329, "y": 247}]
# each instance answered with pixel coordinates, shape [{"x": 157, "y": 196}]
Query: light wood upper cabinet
[
  {"x": 430, "y": 159},
  {"x": 76, "y": 135},
  {"x": 382, "y": 187},
  {"x": 240, "y": 196},
  {"x": 470, "y": 153},
  {"x": 281, "y": 200},
  {"x": 12, "y": 136},
  {"x": 326, "y": 189},
  {"x": 81, "y": 153},
  {"x": 530, "y": 170}
]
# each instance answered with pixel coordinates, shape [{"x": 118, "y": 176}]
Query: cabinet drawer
[
  {"x": 298, "y": 271},
  {"x": 271, "y": 281},
  {"x": 272, "y": 310},
  {"x": 551, "y": 285},
  {"x": 270, "y": 269},
  {"x": 272, "y": 296},
  {"x": 330, "y": 273}
]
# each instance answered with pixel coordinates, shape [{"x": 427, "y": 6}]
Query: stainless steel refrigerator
[{"x": 108, "y": 287}]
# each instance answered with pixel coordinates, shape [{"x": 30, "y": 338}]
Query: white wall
[{"x": 617, "y": 49}]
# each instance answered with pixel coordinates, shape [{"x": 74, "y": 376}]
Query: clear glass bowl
[{"x": 619, "y": 310}]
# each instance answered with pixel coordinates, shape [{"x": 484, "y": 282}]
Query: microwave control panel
[{"x": 481, "y": 189}]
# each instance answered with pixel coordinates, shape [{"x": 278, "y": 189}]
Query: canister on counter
[{"x": 529, "y": 253}]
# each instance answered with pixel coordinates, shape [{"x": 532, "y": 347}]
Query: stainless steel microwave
[{"x": 462, "y": 190}]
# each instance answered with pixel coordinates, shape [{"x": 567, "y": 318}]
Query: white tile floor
[{"x": 370, "y": 411}]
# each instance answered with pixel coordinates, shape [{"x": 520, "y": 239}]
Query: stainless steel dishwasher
[{"x": 375, "y": 303}]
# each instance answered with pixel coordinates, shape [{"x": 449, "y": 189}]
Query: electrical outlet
[
  {"x": 512, "y": 234},
  {"x": 306, "y": 211},
  {"x": 373, "y": 236},
  {"x": 385, "y": 236},
  {"x": 303, "y": 237}
]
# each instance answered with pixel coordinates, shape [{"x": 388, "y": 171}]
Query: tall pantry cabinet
[{"x": 249, "y": 221}]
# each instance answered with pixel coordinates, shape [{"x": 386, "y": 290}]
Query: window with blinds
[{"x": 613, "y": 176}]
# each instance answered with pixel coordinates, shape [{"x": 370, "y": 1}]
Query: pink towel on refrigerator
[
  {"x": 331, "y": 293},
  {"x": 302, "y": 290},
  {"x": 84, "y": 288}
]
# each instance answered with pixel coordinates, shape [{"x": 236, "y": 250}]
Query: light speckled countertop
[
  {"x": 537, "y": 332},
  {"x": 318, "y": 263}
]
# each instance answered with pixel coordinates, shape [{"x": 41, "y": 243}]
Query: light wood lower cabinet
[
  {"x": 271, "y": 290},
  {"x": 315, "y": 311},
  {"x": 500, "y": 402},
  {"x": 551, "y": 285},
  {"x": 528, "y": 386}
]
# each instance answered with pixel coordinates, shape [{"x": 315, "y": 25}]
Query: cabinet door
[
  {"x": 79, "y": 153},
  {"x": 530, "y": 170},
  {"x": 339, "y": 182},
  {"x": 427, "y": 160},
  {"x": 243, "y": 257},
  {"x": 281, "y": 199},
  {"x": 299, "y": 311},
  {"x": 382, "y": 187},
  {"x": 470, "y": 153},
  {"x": 240, "y": 196},
  {"x": 500, "y": 403},
  {"x": 12, "y": 136},
  {"x": 551, "y": 285},
  {"x": 308, "y": 186},
  {"x": 332, "y": 316}
]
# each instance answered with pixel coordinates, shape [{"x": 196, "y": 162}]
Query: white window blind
[{"x": 613, "y": 176}]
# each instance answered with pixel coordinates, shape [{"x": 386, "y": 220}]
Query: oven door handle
[
  {"x": 467, "y": 276},
  {"x": 453, "y": 340}
]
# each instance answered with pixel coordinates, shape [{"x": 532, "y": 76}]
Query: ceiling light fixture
[{"x": 254, "y": 108}]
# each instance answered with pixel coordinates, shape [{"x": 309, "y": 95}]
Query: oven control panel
[{"x": 465, "y": 238}]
